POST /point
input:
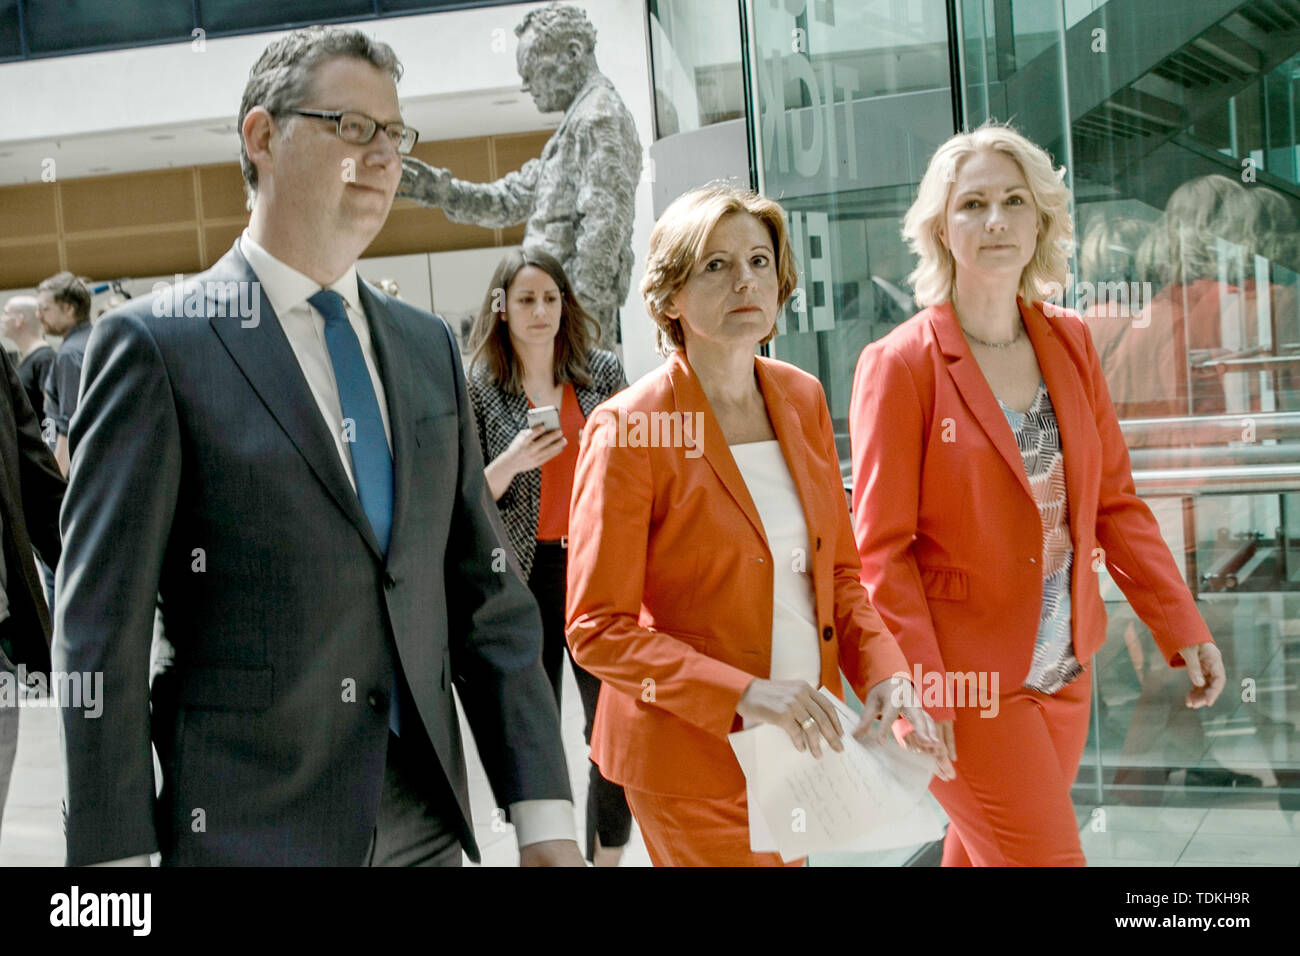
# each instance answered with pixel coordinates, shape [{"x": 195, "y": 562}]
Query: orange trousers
[
  {"x": 1010, "y": 802},
  {"x": 688, "y": 831}
]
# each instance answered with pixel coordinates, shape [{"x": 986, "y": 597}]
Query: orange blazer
[
  {"x": 670, "y": 578},
  {"x": 948, "y": 529}
]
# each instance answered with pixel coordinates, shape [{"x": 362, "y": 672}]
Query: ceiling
[{"x": 481, "y": 113}]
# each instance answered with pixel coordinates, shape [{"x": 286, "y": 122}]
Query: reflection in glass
[
  {"x": 853, "y": 98},
  {"x": 695, "y": 48},
  {"x": 1182, "y": 151}
]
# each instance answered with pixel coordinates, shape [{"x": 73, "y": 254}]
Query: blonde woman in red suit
[
  {"x": 990, "y": 476},
  {"x": 713, "y": 580}
]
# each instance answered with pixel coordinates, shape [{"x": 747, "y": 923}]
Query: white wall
[{"x": 446, "y": 55}]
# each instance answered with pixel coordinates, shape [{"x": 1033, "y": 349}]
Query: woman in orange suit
[
  {"x": 713, "y": 580},
  {"x": 991, "y": 481}
]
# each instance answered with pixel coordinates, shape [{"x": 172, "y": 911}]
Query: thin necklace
[{"x": 993, "y": 345}]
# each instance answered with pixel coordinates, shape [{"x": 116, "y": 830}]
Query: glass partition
[
  {"x": 695, "y": 53},
  {"x": 1176, "y": 123},
  {"x": 1177, "y": 126},
  {"x": 851, "y": 99}
]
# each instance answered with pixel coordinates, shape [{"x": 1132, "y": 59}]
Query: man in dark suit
[
  {"x": 295, "y": 471},
  {"x": 31, "y": 490},
  {"x": 21, "y": 322}
]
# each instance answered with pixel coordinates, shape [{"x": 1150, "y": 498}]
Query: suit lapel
[
  {"x": 690, "y": 399},
  {"x": 975, "y": 391},
  {"x": 1068, "y": 401},
  {"x": 264, "y": 355},
  {"x": 392, "y": 355}
]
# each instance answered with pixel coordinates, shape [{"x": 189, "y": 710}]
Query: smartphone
[{"x": 548, "y": 416}]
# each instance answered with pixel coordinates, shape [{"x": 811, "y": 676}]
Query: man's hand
[
  {"x": 142, "y": 860},
  {"x": 426, "y": 184},
  {"x": 551, "y": 853}
]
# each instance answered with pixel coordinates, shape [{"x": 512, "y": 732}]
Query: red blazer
[
  {"x": 670, "y": 580},
  {"x": 948, "y": 529}
]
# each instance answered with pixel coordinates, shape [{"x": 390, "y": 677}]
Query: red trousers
[
  {"x": 1010, "y": 802},
  {"x": 687, "y": 831}
]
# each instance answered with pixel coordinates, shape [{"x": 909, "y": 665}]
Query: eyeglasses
[{"x": 359, "y": 129}]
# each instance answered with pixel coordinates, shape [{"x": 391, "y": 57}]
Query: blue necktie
[
  {"x": 363, "y": 432},
  {"x": 363, "y": 426}
]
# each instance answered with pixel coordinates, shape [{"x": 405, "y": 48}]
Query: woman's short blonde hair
[
  {"x": 1044, "y": 276},
  {"x": 678, "y": 241}
]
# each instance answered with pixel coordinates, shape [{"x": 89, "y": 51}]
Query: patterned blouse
[{"x": 1054, "y": 664}]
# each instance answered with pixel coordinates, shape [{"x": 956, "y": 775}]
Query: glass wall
[
  {"x": 695, "y": 55},
  {"x": 1177, "y": 124},
  {"x": 851, "y": 99}
]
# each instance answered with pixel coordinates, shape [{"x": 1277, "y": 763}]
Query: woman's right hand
[
  {"x": 789, "y": 704},
  {"x": 945, "y": 756},
  {"x": 532, "y": 448}
]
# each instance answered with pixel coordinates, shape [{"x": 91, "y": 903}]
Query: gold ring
[{"x": 805, "y": 724}]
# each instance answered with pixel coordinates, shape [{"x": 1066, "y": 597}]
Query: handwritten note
[{"x": 869, "y": 797}]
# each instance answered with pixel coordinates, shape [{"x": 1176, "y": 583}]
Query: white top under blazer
[{"x": 796, "y": 650}]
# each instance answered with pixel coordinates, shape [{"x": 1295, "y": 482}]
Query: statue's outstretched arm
[{"x": 506, "y": 202}]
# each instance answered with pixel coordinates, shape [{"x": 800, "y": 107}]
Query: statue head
[{"x": 556, "y": 55}]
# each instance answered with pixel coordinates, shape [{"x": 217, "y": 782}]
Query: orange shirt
[{"x": 557, "y": 474}]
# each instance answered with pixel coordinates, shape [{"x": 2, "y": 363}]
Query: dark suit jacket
[
  {"x": 202, "y": 470},
  {"x": 31, "y": 490}
]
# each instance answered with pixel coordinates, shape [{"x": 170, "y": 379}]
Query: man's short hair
[
  {"x": 281, "y": 78},
  {"x": 67, "y": 288},
  {"x": 25, "y": 307},
  {"x": 557, "y": 24}
]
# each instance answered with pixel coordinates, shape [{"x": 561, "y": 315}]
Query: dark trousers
[
  {"x": 8, "y": 723},
  {"x": 607, "y": 813},
  {"x": 410, "y": 829},
  {"x": 47, "y": 574}
]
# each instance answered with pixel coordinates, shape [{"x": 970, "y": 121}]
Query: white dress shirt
[{"x": 288, "y": 290}]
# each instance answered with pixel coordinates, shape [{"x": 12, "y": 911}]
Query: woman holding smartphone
[{"x": 534, "y": 378}]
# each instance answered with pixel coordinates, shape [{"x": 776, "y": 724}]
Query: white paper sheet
[{"x": 869, "y": 797}]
